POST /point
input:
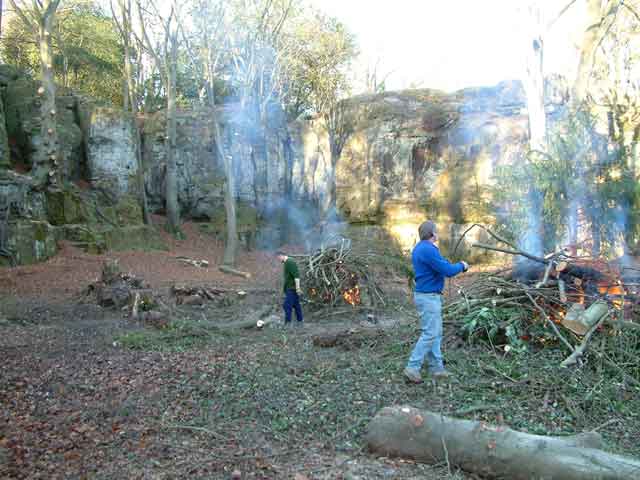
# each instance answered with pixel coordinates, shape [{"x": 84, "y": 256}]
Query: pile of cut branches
[
  {"x": 336, "y": 275},
  {"x": 558, "y": 297}
]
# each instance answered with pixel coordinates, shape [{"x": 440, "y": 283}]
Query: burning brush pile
[
  {"x": 540, "y": 300},
  {"x": 334, "y": 276}
]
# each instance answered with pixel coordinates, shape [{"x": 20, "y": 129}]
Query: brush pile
[
  {"x": 336, "y": 275},
  {"x": 542, "y": 300}
]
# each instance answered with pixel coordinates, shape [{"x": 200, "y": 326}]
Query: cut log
[
  {"x": 255, "y": 319},
  {"x": 493, "y": 451},
  {"x": 579, "y": 352},
  {"x": 233, "y": 271},
  {"x": 136, "y": 306},
  {"x": 196, "y": 263}
]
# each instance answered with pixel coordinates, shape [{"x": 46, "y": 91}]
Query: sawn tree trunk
[{"x": 493, "y": 451}]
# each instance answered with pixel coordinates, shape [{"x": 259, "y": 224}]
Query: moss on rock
[
  {"x": 246, "y": 218},
  {"x": 134, "y": 237},
  {"x": 85, "y": 236},
  {"x": 65, "y": 206},
  {"x": 128, "y": 211},
  {"x": 31, "y": 242}
]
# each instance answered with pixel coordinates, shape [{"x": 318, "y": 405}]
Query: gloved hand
[{"x": 465, "y": 266}]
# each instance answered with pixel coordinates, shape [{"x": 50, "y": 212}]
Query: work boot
[{"x": 412, "y": 375}]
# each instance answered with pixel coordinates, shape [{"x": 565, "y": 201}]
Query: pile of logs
[
  {"x": 336, "y": 275},
  {"x": 194, "y": 295},
  {"x": 573, "y": 296}
]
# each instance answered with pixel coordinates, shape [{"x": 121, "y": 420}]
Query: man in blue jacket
[{"x": 430, "y": 269}]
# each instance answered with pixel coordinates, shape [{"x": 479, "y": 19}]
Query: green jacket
[{"x": 291, "y": 272}]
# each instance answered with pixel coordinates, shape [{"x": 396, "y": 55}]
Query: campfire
[
  {"x": 336, "y": 275},
  {"x": 558, "y": 297},
  {"x": 352, "y": 296}
]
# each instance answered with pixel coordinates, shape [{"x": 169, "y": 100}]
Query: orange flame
[
  {"x": 615, "y": 291},
  {"x": 352, "y": 296}
]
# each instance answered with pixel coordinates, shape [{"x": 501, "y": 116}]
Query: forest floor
[{"x": 88, "y": 393}]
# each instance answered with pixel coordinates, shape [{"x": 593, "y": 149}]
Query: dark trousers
[{"x": 291, "y": 301}]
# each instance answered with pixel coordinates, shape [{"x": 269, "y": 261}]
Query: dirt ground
[
  {"x": 71, "y": 270},
  {"x": 88, "y": 393}
]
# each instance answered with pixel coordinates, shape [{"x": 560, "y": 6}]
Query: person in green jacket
[{"x": 292, "y": 290}]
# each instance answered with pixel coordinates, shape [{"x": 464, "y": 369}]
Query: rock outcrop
[
  {"x": 110, "y": 137},
  {"x": 96, "y": 207},
  {"x": 416, "y": 154},
  {"x": 408, "y": 156}
]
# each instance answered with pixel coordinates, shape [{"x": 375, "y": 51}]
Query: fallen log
[
  {"x": 493, "y": 451},
  {"x": 256, "y": 319},
  {"x": 233, "y": 271},
  {"x": 247, "y": 324}
]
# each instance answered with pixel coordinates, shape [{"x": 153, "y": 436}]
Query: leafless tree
[
  {"x": 166, "y": 58},
  {"x": 40, "y": 17},
  {"x": 124, "y": 26}
]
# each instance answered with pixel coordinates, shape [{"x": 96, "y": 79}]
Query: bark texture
[
  {"x": 173, "y": 209},
  {"x": 494, "y": 451}
]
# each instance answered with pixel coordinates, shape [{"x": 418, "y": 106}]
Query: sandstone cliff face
[
  {"x": 110, "y": 138},
  {"x": 415, "y": 155},
  {"x": 259, "y": 160},
  {"x": 409, "y": 156},
  {"x": 97, "y": 206}
]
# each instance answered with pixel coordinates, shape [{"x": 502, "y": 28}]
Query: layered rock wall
[
  {"x": 414, "y": 155},
  {"x": 96, "y": 207},
  {"x": 409, "y": 156}
]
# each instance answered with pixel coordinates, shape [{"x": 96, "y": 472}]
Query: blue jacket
[{"x": 430, "y": 268}]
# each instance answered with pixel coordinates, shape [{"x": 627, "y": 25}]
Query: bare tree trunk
[
  {"x": 333, "y": 187},
  {"x": 173, "y": 208},
  {"x": 46, "y": 159},
  {"x": 130, "y": 86},
  {"x": 211, "y": 62},
  {"x": 131, "y": 99},
  {"x": 231, "y": 246},
  {"x": 494, "y": 451},
  {"x": 587, "y": 51},
  {"x": 146, "y": 214},
  {"x": 534, "y": 87}
]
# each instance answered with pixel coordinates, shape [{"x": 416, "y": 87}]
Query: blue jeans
[
  {"x": 429, "y": 307},
  {"x": 291, "y": 302}
]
